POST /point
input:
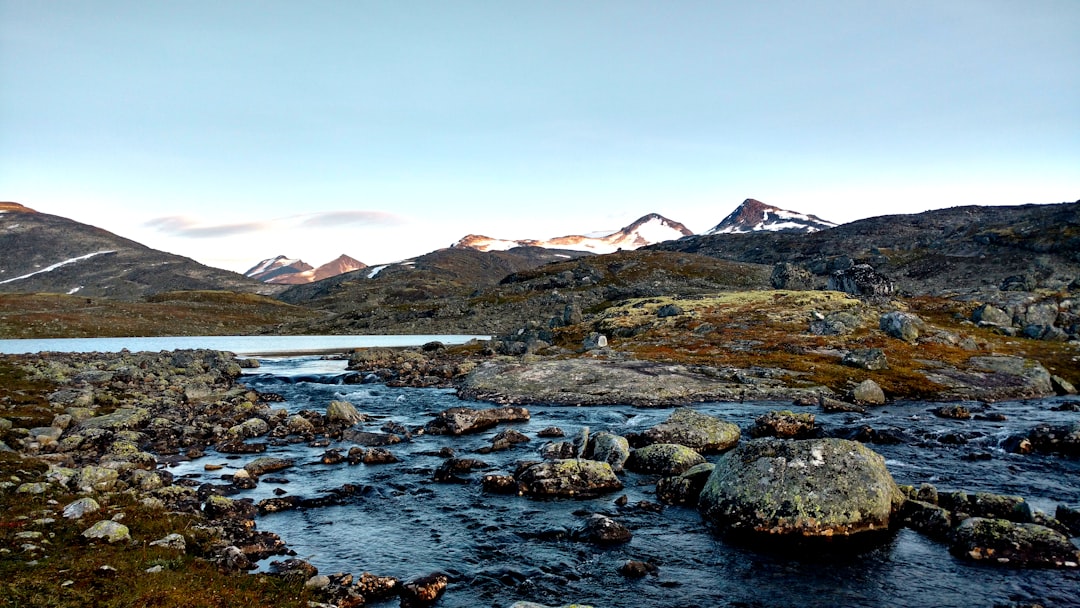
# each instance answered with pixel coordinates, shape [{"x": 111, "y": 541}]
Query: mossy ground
[
  {"x": 185, "y": 313},
  {"x": 770, "y": 329}
]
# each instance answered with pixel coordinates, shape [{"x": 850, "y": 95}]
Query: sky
[{"x": 231, "y": 132}]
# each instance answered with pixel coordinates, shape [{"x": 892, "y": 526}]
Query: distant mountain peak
[
  {"x": 647, "y": 230},
  {"x": 282, "y": 270},
  {"x": 755, "y": 216}
]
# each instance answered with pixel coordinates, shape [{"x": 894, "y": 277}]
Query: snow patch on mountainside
[
  {"x": 648, "y": 230},
  {"x": 755, "y": 216},
  {"x": 57, "y": 265}
]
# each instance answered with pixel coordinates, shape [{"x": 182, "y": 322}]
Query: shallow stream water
[{"x": 499, "y": 549}]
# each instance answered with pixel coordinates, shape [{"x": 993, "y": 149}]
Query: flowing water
[{"x": 499, "y": 549}]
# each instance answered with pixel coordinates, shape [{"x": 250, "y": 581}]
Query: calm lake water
[
  {"x": 499, "y": 549},
  {"x": 241, "y": 345}
]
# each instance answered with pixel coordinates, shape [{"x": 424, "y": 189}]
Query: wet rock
[
  {"x": 499, "y": 484},
  {"x": 1069, "y": 516},
  {"x": 690, "y": 428},
  {"x": 569, "y": 478},
  {"x": 955, "y": 412},
  {"x": 332, "y": 456},
  {"x": 1064, "y": 439},
  {"x": 987, "y": 505},
  {"x": 463, "y": 420},
  {"x": 686, "y": 488},
  {"x": 423, "y": 591},
  {"x": 343, "y": 412},
  {"x": 268, "y": 464},
  {"x": 550, "y": 432},
  {"x": 81, "y": 507},
  {"x": 368, "y": 439},
  {"x": 903, "y": 326},
  {"x": 603, "y": 530},
  {"x": 240, "y": 447},
  {"x": 800, "y": 488},
  {"x": 868, "y": 392},
  {"x": 379, "y": 456},
  {"x": 927, "y": 519},
  {"x": 279, "y": 504},
  {"x": 450, "y": 468},
  {"x": 221, "y": 507},
  {"x": 374, "y": 588},
  {"x": 109, "y": 531},
  {"x": 999, "y": 541},
  {"x": 832, "y": 406},
  {"x": 871, "y": 359},
  {"x": 609, "y": 448},
  {"x": 507, "y": 439},
  {"x": 298, "y": 425},
  {"x": 632, "y": 568},
  {"x": 784, "y": 424},
  {"x": 664, "y": 459},
  {"x": 559, "y": 450}
]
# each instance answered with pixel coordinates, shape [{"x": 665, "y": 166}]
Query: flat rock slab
[{"x": 588, "y": 381}]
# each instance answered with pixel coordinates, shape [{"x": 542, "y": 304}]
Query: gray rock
[
  {"x": 868, "y": 392},
  {"x": 343, "y": 412},
  {"x": 871, "y": 359},
  {"x": 664, "y": 459},
  {"x": 610, "y": 448},
  {"x": 253, "y": 427},
  {"x": 927, "y": 519},
  {"x": 96, "y": 479},
  {"x": 109, "y": 531},
  {"x": 298, "y": 425},
  {"x": 121, "y": 419},
  {"x": 174, "y": 541},
  {"x": 860, "y": 280},
  {"x": 33, "y": 487},
  {"x": 595, "y": 341},
  {"x": 572, "y": 314},
  {"x": 268, "y": 464},
  {"x": 569, "y": 478},
  {"x": 789, "y": 276},
  {"x": 988, "y": 314},
  {"x": 836, "y": 323},
  {"x": 784, "y": 424},
  {"x": 669, "y": 310},
  {"x": 81, "y": 507},
  {"x": 800, "y": 488},
  {"x": 693, "y": 429},
  {"x": 903, "y": 325},
  {"x": 463, "y": 420},
  {"x": 1006, "y": 543}
]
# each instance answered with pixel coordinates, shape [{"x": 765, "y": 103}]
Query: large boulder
[
  {"x": 860, "y": 280},
  {"x": 784, "y": 424},
  {"x": 691, "y": 428},
  {"x": 570, "y": 478},
  {"x": 463, "y": 420},
  {"x": 868, "y": 392},
  {"x": 610, "y": 448},
  {"x": 343, "y": 412},
  {"x": 800, "y": 488},
  {"x": 1003, "y": 542}
]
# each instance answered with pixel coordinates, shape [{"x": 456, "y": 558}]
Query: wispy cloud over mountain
[
  {"x": 178, "y": 225},
  {"x": 337, "y": 218}
]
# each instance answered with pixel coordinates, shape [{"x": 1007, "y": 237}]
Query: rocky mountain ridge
[
  {"x": 647, "y": 230},
  {"x": 282, "y": 270}
]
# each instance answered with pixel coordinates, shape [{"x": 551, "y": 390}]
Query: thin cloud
[
  {"x": 177, "y": 225},
  {"x": 337, "y": 218}
]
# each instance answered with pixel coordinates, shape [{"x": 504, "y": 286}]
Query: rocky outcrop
[
  {"x": 861, "y": 280},
  {"x": 589, "y": 381},
  {"x": 801, "y": 488},
  {"x": 992, "y": 378}
]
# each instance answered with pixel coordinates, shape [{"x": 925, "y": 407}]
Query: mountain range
[
  {"x": 284, "y": 271},
  {"x": 648, "y": 230}
]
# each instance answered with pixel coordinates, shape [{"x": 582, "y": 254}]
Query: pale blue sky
[{"x": 235, "y": 131}]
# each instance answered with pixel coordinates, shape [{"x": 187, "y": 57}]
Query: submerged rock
[
  {"x": 800, "y": 488},
  {"x": 691, "y": 428},
  {"x": 603, "y": 530},
  {"x": 1013, "y": 544}
]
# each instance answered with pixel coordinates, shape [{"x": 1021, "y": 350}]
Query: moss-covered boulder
[
  {"x": 801, "y": 488},
  {"x": 664, "y": 459},
  {"x": 784, "y": 424},
  {"x": 702, "y": 432},
  {"x": 999, "y": 541},
  {"x": 569, "y": 478}
]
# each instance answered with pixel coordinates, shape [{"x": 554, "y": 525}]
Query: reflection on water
[{"x": 499, "y": 549}]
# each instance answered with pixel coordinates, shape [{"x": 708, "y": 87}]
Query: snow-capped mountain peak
[
  {"x": 286, "y": 271},
  {"x": 650, "y": 229},
  {"x": 754, "y": 216}
]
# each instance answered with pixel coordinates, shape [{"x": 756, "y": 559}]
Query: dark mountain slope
[
  {"x": 946, "y": 250},
  {"x": 42, "y": 253}
]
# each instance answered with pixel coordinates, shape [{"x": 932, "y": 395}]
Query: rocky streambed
[{"x": 371, "y": 493}]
